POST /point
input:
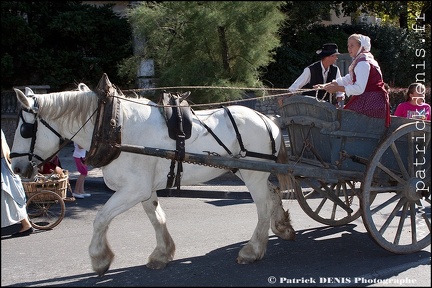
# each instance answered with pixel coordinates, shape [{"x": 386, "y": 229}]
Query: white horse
[{"x": 136, "y": 177}]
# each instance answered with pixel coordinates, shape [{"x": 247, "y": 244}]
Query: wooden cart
[{"x": 390, "y": 176}]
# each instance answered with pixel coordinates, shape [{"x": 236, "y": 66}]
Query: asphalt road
[{"x": 209, "y": 226}]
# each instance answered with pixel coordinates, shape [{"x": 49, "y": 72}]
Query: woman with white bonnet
[{"x": 364, "y": 83}]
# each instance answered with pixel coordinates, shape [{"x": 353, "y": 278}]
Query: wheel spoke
[
  {"x": 334, "y": 206},
  {"x": 401, "y": 224},
  {"x": 390, "y": 173},
  {"x": 384, "y": 204},
  {"x": 333, "y": 214},
  {"x": 335, "y": 198},
  {"x": 344, "y": 192},
  {"x": 392, "y": 215},
  {"x": 348, "y": 198},
  {"x": 399, "y": 160},
  {"x": 413, "y": 223},
  {"x": 428, "y": 223},
  {"x": 320, "y": 206},
  {"x": 386, "y": 189}
]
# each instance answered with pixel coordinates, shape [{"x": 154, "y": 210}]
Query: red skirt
[{"x": 373, "y": 104}]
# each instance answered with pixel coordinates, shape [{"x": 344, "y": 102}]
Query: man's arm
[{"x": 301, "y": 81}]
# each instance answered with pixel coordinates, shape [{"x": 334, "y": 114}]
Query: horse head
[{"x": 26, "y": 151}]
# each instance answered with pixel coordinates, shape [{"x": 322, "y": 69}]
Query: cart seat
[
  {"x": 307, "y": 110},
  {"x": 308, "y": 122}
]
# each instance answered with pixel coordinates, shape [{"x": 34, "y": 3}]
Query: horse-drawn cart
[
  {"x": 391, "y": 176},
  {"x": 343, "y": 164},
  {"x": 347, "y": 165}
]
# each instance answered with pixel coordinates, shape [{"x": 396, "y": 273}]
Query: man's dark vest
[{"x": 317, "y": 78}]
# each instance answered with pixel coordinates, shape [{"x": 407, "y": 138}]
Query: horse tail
[{"x": 285, "y": 180}]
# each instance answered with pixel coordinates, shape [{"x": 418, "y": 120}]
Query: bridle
[{"x": 29, "y": 130}]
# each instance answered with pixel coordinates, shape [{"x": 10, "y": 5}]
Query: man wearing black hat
[{"x": 321, "y": 72}]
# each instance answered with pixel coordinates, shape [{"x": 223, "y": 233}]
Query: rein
[{"x": 218, "y": 104}]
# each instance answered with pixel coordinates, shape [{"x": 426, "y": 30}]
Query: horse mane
[{"x": 68, "y": 106}]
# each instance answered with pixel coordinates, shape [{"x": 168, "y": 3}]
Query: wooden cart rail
[{"x": 295, "y": 169}]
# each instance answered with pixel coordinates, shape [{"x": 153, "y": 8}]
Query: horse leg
[
  {"x": 100, "y": 252},
  {"x": 255, "y": 249},
  {"x": 280, "y": 219},
  {"x": 165, "y": 247}
]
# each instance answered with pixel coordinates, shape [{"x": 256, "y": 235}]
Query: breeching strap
[{"x": 239, "y": 139}]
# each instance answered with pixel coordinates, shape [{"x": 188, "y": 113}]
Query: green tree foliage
[
  {"x": 204, "y": 43},
  {"x": 303, "y": 14},
  {"x": 61, "y": 43},
  {"x": 398, "y": 51},
  {"x": 399, "y": 13},
  {"x": 395, "y": 48}
]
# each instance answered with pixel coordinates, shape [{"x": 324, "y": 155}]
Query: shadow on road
[{"x": 324, "y": 256}]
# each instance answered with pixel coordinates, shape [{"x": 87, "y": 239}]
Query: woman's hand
[
  {"x": 324, "y": 86},
  {"x": 333, "y": 87},
  {"x": 320, "y": 86}
]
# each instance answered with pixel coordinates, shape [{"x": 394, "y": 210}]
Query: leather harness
[
  {"x": 178, "y": 118},
  {"x": 178, "y": 115},
  {"x": 103, "y": 148}
]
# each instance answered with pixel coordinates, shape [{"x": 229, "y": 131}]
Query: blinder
[{"x": 27, "y": 130}]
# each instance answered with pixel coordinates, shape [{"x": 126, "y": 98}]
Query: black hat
[{"x": 327, "y": 50}]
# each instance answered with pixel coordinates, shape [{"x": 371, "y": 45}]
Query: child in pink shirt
[{"x": 414, "y": 107}]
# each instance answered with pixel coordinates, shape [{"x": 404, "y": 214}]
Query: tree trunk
[
  {"x": 224, "y": 49},
  {"x": 403, "y": 16}
]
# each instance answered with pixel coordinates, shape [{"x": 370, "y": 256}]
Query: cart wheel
[
  {"x": 324, "y": 202},
  {"x": 46, "y": 209},
  {"x": 396, "y": 201}
]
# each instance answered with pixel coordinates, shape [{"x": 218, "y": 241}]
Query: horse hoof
[
  {"x": 102, "y": 265},
  {"x": 156, "y": 265},
  {"x": 292, "y": 235},
  {"x": 102, "y": 272},
  {"x": 241, "y": 260}
]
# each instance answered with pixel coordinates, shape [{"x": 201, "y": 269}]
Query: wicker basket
[{"x": 58, "y": 186}]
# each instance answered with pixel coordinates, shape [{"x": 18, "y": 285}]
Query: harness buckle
[{"x": 34, "y": 165}]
